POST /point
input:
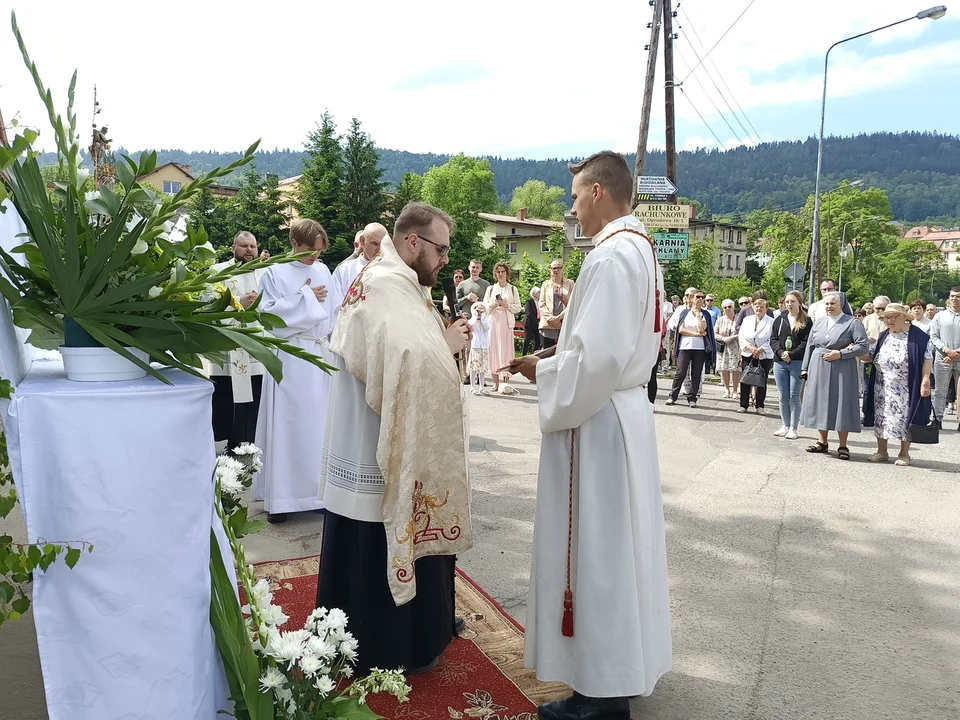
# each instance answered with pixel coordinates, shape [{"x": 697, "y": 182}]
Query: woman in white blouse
[{"x": 755, "y": 350}]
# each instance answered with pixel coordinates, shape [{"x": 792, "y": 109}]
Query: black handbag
[
  {"x": 754, "y": 375},
  {"x": 928, "y": 434}
]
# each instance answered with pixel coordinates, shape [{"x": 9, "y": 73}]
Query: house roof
[
  {"x": 290, "y": 180},
  {"x": 185, "y": 169},
  {"x": 514, "y": 220},
  {"x": 918, "y": 232},
  {"x": 940, "y": 238}
]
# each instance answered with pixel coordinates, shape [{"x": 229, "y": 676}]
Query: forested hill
[{"x": 919, "y": 171}]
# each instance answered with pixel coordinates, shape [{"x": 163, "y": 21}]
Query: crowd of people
[{"x": 891, "y": 367}]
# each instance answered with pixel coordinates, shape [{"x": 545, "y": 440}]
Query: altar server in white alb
[
  {"x": 237, "y": 385},
  {"x": 293, "y": 411},
  {"x": 370, "y": 238},
  {"x": 599, "y": 608}
]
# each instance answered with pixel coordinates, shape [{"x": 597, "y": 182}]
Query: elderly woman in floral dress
[
  {"x": 898, "y": 390},
  {"x": 503, "y": 303},
  {"x": 728, "y": 346}
]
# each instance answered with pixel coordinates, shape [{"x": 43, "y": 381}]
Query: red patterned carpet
[{"x": 480, "y": 675}]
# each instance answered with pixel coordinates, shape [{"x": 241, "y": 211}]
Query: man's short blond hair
[
  {"x": 306, "y": 232},
  {"x": 416, "y": 217},
  {"x": 244, "y": 235},
  {"x": 609, "y": 170}
]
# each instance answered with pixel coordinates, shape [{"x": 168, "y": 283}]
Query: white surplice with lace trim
[{"x": 596, "y": 383}]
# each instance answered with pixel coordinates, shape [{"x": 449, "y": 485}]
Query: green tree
[
  {"x": 363, "y": 198},
  {"x": 409, "y": 190},
  {"x": 698, "y": 270},
  {"x": 216, "y": 216},
  {"x": 532, "y": 275},
  {"x": 555, "y": 243},
  {"x": 320, "y": 190},
  {"x": 258, "y": 208},
  {"x": 463, "y": 187},
  {"x": 574, "y": 263},
  {"x": 540, "y": 201}
]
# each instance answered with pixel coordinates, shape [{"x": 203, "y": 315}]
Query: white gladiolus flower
[
  {"x": 209, "y": 246},
  {"x": 175, "y": 236},
  {"x": 272, "y": 615},
  {"x": 168, "y": 227},
  {"x": 154, "y": 291},
  {"x": 261, "y": 591},
  {"x": 139, "y": 248},
  {"x": 132, "y": 222},
  {"x": 92, "y": 195},
  {"x": 82, "y": 175},
  {"x": 273, "y": 679},
  {"x": 325, "y": 685}
]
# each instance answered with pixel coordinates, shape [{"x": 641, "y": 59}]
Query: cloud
[{"x": 458, "y": 73}]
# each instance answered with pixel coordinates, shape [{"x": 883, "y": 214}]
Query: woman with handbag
[
  {"x": 756, "y": 355},
  {"x": 789, "y": 341},
  {"x": 831, "y": 398},
  {"x": 898, "y": 390}
]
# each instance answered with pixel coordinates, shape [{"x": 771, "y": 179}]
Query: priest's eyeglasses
[{"x": 444, "y": 249}]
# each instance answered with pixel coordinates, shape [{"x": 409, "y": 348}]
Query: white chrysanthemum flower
[
  {"x": 325, "y": 685},
  {"x": 273, "y": 679},
  {"x": 139, "y": 248},
  {"x": 154, "y": 291},
  {"x": 347, "y": 672},
  {"x": 347, "y": 651},
  {"x": 336, "y": 618},
  {"x": 321, "y": 649},
  {"x": 231, "y": 485},
  {"x": 310, "y": 664},
  {"x": 247, "y": 448},
  {"x": 288, "y": 650},
  {"x": 314, "y": 617}
]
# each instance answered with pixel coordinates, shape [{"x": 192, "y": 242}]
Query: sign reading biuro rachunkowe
[
  {"x": 672, "y": 246},
  {"x": 663, "y": 215}
]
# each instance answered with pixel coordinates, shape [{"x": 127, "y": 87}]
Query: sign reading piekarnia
[{"x": 663, "y": 216}]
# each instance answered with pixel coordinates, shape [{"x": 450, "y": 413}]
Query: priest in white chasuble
[
  {"x": 394, "y": 477},
  {"x": 369, "y": 245},
  {"x": 293, "y": 411},
  {"x": 237, "y": 385},
  {"x": 598, "y": 617}
]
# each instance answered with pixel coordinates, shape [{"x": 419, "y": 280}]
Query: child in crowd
[{"x": 479, "y": 348}]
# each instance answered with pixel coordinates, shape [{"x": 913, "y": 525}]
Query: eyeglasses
[
  {"x": 745, "y": 302},
  {"x": 556, "y": 268},
  {"x": 699, "y": 297},
  {"x": 728, "y": 307},
  {"x": 444, "y": 249},
  {"x": 709, "y": 299}
]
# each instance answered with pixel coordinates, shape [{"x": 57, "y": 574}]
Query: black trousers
[
  {"x": 234, "y": 422},
  {"x": 688, "y": 361},
  {"x": 652, "y": 384},
  {"x": 761, "y": 391},
  {"x": 548, "y": 342},
  {"x": 353, "y": 577},
  {"x": 532, "y": 340}
]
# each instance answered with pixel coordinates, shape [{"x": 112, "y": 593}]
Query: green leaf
[
  {"x": 124, "y": 175},
  {"x": 350, "y": 708},
  {"x": 21, "y": 604},
  {"x": 6, "y": 592},
  {"x": 251, "y": 527},
  {"x": 72, "y": 557}
]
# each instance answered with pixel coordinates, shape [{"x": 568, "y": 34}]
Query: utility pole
[
  {"x": 670, "y": 114},
  {"x": 652, "y": 49}
]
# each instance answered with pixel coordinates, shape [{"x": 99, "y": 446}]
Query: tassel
[{"x": 566, "y": 627}]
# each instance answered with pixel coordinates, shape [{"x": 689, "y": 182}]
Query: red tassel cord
[{"x": 566, "y": 627}]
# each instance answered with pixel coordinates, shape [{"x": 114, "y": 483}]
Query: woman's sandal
[
  {"x": 843, "y": 453},
  {"x": 818, "y": 447}
]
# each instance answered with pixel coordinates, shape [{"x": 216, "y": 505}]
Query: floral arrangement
[
  {"x": 304, "y": 674},
  {"x": 118, "y": 267}
]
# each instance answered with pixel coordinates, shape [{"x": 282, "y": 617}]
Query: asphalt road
[{"x": 801, "y": 586}]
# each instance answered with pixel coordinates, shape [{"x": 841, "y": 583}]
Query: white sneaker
[
  {"x": 782, "y": 431},
  {"x": 791, "y": 434}
]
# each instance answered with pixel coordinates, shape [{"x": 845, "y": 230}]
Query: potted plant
[{"x": 112, "y": 273}]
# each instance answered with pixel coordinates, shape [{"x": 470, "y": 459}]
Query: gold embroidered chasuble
[{"x": 390, "y": 337}]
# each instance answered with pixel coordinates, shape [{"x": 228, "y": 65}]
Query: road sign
[
  {"x": 652, "y": 185},
  {"x": 663, "y": 215},
  {"x": 798, "y": 286},
  {"x": 796, "y": 272},
  {"x": 672, "y": 246}
]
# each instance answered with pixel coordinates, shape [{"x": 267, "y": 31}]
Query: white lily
[
  {"x": 139, "y": 248},
  {"x": 82, "y": 175},
  {"x": 92, "y": 195},
  {"x": 154, "y": 291}
]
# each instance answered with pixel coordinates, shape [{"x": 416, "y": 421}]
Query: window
[
  {"x": 729, "y": 263},
  {"x": 511, "y": 247},
  {"x": 739, "y": 237},
  {"x": 513, "y": 231},
  {"x": 738, "y": 262},
  {"x": 171, "y": 188},
  {"x": 544, "y": 247},
  {"x": 578, "y": 233}
]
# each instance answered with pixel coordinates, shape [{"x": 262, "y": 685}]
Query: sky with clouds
[{"x": 534, "y": 78}]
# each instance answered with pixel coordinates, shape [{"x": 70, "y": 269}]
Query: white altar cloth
[{"x": 127, "y": 466}]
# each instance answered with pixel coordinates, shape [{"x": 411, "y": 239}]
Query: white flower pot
[{"x": 100, "y": 364}]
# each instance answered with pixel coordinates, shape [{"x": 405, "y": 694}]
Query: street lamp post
[{"x": 934, "y": 13}]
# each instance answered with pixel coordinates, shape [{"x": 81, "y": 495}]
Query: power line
[
  {"x": 702, "y": 119},
  {"x": 756, "y": 133},
  {"x": 749, "y": 5}
]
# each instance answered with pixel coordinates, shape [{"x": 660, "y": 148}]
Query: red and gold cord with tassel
[{"x": 566, "y": 626}]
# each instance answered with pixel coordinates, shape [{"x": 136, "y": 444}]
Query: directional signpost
[
  {"x": 795, "y": 275},
  {"x": 654, "y": 189}
]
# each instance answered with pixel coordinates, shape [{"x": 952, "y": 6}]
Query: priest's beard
[{"x": 426, "y": 274}]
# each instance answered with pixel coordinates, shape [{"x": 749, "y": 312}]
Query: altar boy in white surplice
[
  {"x": 598, "y": 616},
  {"x": 293, "y": 411}
]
